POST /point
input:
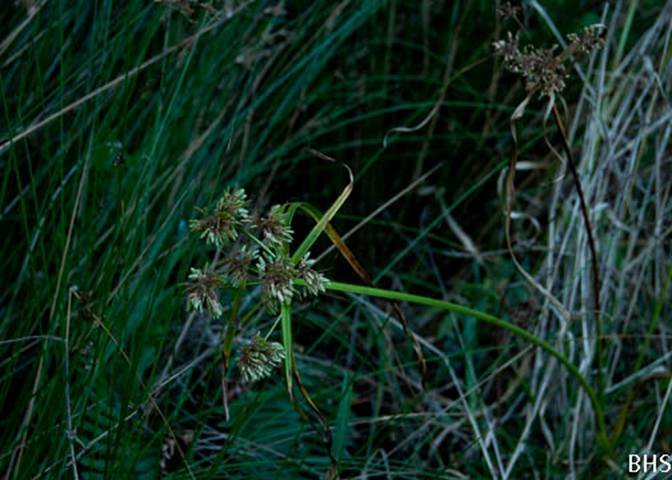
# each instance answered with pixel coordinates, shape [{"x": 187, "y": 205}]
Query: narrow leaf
[
  {"x": 339, "y": 244},
  {"x": 343, "y": 417},
  {"x": 322, "y": 223},
  {"x": 286, "y": 323}
]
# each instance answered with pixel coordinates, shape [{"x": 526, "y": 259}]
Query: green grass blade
[
  {"x": 317, "y": 230},
  {"x": 286, "y": 325},
  {"x": 343, "y": 418}
]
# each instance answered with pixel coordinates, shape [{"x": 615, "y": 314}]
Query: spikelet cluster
[
  {"x": 507, "y": 11},
  {"x": 203, "y": 292},
  {"x": 277, "y": 275},
  {"x": 591, "y": 38},
  {"x": 314, "y": 282},
  {"x": 259, "y": 254},
  {"x": 545, "y": 69},
  {"x": 227, "y": 220},
  {"x": 237, "y": 266},
  {"x": 258, "y": 359},
  {"x": 252, "y": 249},
  {"x": 274, "y": 226}
]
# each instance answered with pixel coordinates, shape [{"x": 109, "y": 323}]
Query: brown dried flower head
[
  {"x": 543, "y": 69},
  {"x": 508, "y": 11},
  {"x": 591, "y": 38},
  {"x": 508, "y": 50}
]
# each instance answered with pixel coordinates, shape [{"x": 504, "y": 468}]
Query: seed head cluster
[
  {"x": 238, "y": 264},
  {"x": 223, "y": 226},
  {"x": 591, "y": 38},
  {"x": 543, "y": 69},
  {"x": 203, "y": 292},
  {"x": 274, "y": 227},
  {"x": 260, "y": 254},
  {"x": 314, "y": 282},
  {"x": 277, "y": 275},
  {"x": 508, "y": 11},
  {"x": 252, "y": 249},
  {"x": 258, "y": 359}
]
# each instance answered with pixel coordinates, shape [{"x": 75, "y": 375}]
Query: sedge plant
[{"x": 252, "y": 255}]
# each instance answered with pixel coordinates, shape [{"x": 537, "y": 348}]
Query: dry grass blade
[{"x": 317, "y": 230}]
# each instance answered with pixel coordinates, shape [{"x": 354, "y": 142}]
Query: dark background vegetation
[{"x": 98, "y": 197}]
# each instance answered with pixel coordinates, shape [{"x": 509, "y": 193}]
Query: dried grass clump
[{"x": 622, "y": 122}]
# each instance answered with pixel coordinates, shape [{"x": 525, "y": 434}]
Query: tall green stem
[{"x": 602, "y": 438}]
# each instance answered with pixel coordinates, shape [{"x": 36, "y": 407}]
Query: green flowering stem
[
  {"x": 286, "y": 322},
  {"x": 259, "y": 243},
  {"x": 602, "y": 438}
]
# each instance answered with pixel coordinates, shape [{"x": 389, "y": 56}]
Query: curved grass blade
[
  {"x": 338, "y": 242},
  {"x": 526, "y": 335},
  {"x": 322, "y": 223}
]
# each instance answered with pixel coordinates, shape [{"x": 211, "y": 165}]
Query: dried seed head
[
  {"x": 315, "y": 282},
  {"x": 544, "y": 71},
  {"x": 237, "y": 265},
  {"x": 508, "y": 49},
  {"x": 508, "y": 11},
  {"x": 274, "y": 227},
  {"x": 223, "y": 225},
  {"x": 258, "y": 359},
  {"x": 591, "y": 38},
  {"x": 276, "y": 273},
  {"x": 541, "y": 68},
  {"x": 202, "y": 292}
]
